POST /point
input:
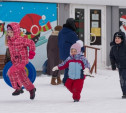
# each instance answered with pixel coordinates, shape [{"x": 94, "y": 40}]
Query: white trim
[
  {"x": 122, "y": 29},
  {"x": 94, "y": 37},
  {"x": 122, "y": 19},
  {"x": 33, "y": 27},
  {"x": 122, "y": 7},
  {"x": 90, "y": 2}
]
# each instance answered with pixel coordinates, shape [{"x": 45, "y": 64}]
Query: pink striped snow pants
[{"x": 18, "y": 77}]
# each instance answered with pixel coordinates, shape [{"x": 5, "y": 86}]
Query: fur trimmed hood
[{"x": 55, "y": 33}]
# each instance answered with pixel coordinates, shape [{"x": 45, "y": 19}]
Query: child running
[
  {"x": 78, "y": 67},
  {"x": 19, "y": 56}
]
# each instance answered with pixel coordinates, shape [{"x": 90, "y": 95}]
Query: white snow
[{"x": 101, "y": 94}]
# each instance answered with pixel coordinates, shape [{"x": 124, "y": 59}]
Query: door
[{"x": 90, "y": 23}]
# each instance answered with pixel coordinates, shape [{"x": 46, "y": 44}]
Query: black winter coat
[{"x": 118, "y": 53}]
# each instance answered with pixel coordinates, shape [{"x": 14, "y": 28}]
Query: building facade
[{"x": 96, "y": 21}]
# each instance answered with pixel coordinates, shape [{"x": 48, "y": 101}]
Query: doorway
[{"x": 91, "y": 23}]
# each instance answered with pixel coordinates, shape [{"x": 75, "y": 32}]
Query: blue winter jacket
[
  {"x": 76, "y": 64},
  {"x": 66, "y": 39}
]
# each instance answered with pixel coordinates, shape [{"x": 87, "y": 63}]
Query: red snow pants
[
  {"x": 18, "y": 77},
  {"x": 75, "y": 87}
]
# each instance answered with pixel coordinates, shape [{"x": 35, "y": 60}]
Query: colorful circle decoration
[{"x": 29, "y": 68}]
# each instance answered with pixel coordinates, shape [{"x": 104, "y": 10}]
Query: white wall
[{"x": 93, "y": 2}]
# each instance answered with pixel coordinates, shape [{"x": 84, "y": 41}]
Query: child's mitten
[
  {"x": 55, "y": 68},
  {"x": 86, "y": 71},
  {"x": 31, "y": 54}
]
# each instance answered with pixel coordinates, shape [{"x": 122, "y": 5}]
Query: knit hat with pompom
[
  {"x": 80, "y": 42},
  {"x": 77, "y": 47}
]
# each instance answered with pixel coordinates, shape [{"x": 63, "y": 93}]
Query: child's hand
[
  {"x": 55, "y": 68},
  {"x": 31, "y": 54},
  {"x": 86, "y": 71}
]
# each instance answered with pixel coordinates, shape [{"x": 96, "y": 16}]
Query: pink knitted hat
[
  {"x": 77, "y": 47},
  {"x": 80, "y": 42}
]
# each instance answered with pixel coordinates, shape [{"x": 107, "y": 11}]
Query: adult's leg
[{"x": 56, "y": 74}]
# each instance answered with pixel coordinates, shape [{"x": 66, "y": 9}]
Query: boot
[
  {"x": 124, "y": 96},
  {"x": 32, "y": 93},
  {"x": 76, "y": 100},
  {"x": 53, "y": 81},
  {"x": 59, "y": 81},
  {"x": 17, "y": 92}
]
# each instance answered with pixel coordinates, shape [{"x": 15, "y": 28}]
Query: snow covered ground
[{"x": 101, "y": 94}]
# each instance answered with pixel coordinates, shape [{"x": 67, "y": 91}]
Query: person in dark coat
[
  {"x": 118, "y": 58},
  {"x": 66, "y": 38},
  {"x": 53, "y": 56}
]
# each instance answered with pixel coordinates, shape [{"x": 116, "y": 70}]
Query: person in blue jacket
[{"x": 66, "y": 38}]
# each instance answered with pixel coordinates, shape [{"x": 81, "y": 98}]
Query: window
[
  {"x": 79, "y": 21},
  {"x": 122, "y": 18},
  {"x": 95, "y": 27}
]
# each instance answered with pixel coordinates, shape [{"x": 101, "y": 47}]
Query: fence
[{"x": 95, "y": 60}]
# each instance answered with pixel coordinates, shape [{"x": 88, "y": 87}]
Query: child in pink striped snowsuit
[{"x": 19, "y": 56}]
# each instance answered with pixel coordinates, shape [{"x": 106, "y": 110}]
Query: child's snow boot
[
  {"x": 53, "y": 81},
  {"x": 124, "y": 96},
  {"x": 17, "y": 92},
  {"x": 32, "y": 93},
  {"x": 76, "y": 100},
  {"x": 59, "y": 80}
]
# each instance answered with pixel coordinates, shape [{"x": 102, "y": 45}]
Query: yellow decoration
[{"x": 96, "y": 31}]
